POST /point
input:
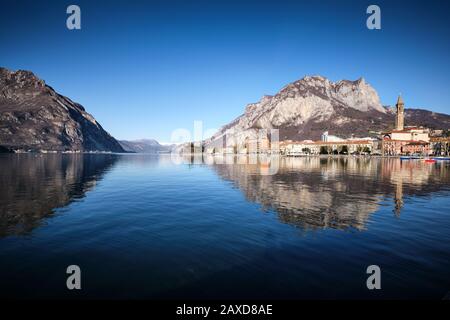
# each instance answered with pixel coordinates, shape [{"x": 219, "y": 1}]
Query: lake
[{"x": 143, "y": 226}]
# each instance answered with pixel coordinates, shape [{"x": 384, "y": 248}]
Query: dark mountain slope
[{"x": 34, "y": 117}]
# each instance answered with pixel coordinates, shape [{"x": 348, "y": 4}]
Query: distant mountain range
[
  {"x": 145, "y": 146},
  {"x": 33, "y": 117},
  {"x": 306, "y": 108}
]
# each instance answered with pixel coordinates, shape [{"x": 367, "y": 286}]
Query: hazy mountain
[
  {"x": 306, "y": 108},
  {"x": 145, "y": 146},
  {"x": 35, "y": 117}
]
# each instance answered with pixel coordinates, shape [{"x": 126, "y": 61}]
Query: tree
[
  {"x": 306, "y": 150},
  {"x": 446, "y": 148}
]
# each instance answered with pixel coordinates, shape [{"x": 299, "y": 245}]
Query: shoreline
[{"x": 324, "y": 156}]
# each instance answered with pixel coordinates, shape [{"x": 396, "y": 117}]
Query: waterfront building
[
  {"x": 440, "y": 146},
  {"x": 406, "y": 142}
]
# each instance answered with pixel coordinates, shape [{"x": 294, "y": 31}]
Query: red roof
[{"x": 417, "y": 143}]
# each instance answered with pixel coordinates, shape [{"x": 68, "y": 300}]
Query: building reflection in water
[
  {"x": 314, "y": 192},
  {"x": 33, "y": 186},
  {"x": 310, "y": 192}
]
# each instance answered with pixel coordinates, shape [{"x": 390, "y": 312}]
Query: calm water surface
[{"x": 141, "y": 226}]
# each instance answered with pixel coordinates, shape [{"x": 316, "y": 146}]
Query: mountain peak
[
  {"x": 20, "y": 79},
  {"x": 304, "y": 108},
  {"x": 311, "y": 79},
  {"x": 315, "y": 78},
  {"x": 356, "y": 94}
]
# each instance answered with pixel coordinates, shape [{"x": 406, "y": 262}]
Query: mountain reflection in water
[
  {"x": 143, "y": 226},
  {"x": 314, "y": 192},
  {"x": 33, "y": 185},
  {"x": 308, "y": 192}
]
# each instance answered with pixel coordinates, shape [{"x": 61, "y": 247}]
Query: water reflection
[
  {"x": 335, "y": 193},
  {"x": 308, "y": 192},
  {"x": 32, "y": 186}
]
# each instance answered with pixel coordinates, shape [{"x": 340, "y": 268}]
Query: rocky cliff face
[
  {"x": 34, "y": 117},
  {"x": 308, "y": 107}
]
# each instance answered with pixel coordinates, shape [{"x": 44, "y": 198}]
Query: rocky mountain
[
  {"x": 145, "y": 146},
  {"x": 306, "y": 108},
  {"x": 33, "y": 117}
]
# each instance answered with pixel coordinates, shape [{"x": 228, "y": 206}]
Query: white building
[{"x": 330, "y": 138}]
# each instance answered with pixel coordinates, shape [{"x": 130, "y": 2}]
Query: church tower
[{"x": 400, "y": 117}]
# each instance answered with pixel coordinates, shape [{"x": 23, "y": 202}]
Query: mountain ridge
[
  {"x": 151, "y": 146},
  {"x": 305, "y": 108}
]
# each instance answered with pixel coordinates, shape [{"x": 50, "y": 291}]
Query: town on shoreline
[{"x": 402, "y": 141}]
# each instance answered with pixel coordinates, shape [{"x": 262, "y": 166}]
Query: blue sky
[{"x": 145, "y": 68}]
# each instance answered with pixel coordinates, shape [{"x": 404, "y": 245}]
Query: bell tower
[{"x": 400, "y": 117}]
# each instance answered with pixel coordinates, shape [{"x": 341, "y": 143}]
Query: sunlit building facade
[{"x": 405, "y": 140}]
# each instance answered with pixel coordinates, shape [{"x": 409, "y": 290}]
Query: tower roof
[{"x": 400, "y": 100}]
